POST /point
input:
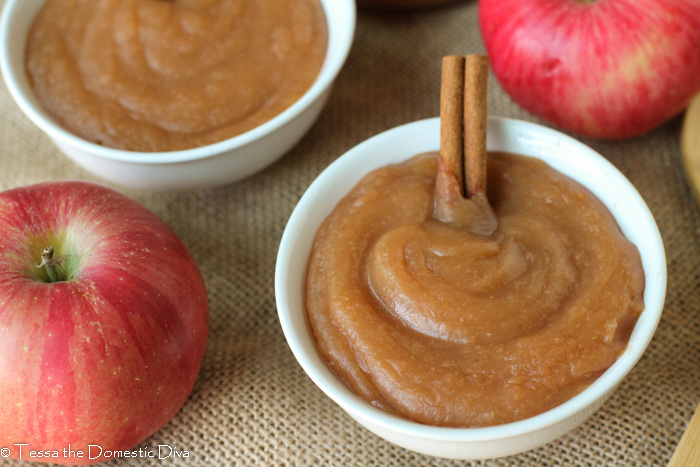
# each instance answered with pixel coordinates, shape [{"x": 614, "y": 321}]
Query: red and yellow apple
[
  {"x": 101, "y": 339},
  {"x": 600, "y": 68}
]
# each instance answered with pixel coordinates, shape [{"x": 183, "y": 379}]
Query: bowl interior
[
  {"x": 17, "y": 17},
  {"x": 562, "y": 153}
]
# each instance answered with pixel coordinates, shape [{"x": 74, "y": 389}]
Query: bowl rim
[
  {"x": 332, "y": 64},
  {"x": 362, "y": 410}
]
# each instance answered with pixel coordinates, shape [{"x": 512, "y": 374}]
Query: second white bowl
[{"x": 211, "y": 165}]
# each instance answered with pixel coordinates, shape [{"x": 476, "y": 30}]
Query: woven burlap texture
[{"x": 253, "y": 404}]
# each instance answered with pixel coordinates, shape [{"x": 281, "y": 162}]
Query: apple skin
[
  {"x": 108, "y": 356},
  {"x": 608, "y": 69}
]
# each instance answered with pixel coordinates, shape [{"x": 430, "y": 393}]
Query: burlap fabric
[{"x": 252, "y": 403}]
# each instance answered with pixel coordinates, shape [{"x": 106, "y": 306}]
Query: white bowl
[
  {"x": 211, "y": 165},
  {"x": 562, "y": 153}
]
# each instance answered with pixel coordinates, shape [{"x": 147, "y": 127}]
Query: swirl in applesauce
[
  {"x": 452, "y": 328},
  {"x": 155, "y": 75}
]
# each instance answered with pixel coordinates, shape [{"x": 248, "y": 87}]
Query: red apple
[
  {"x": 601, "y": 68},
  {"x": 108, "y": 353}
]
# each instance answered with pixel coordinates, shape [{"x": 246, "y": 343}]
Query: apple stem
[{"x": 48, "y": 261}]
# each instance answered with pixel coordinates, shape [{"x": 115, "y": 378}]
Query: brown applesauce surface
[
  {"x": 451, "y": 328},
  {"x": 159, "y": 75}
]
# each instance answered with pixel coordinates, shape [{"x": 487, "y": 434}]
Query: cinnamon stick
[
  {"x": 460, "y": 185},
  {"x": 475, "y": 92},
  {"x": 452, "y": 118}
]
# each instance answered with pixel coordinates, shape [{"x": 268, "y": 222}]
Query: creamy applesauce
[
  {"x": 163, "y": 75},
  {"x": 452, "y": 328}
]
